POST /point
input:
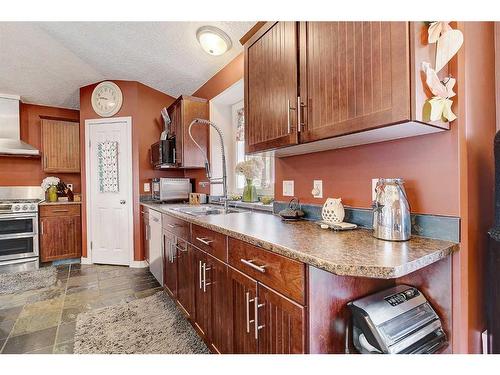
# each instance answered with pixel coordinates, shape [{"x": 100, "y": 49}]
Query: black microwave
[{"x": 163, "y": 154}]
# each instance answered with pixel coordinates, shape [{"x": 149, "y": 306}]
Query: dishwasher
[{"x": 155, "y": 249}]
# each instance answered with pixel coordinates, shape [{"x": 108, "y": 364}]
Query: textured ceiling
[{"x": 47, "y": 62}]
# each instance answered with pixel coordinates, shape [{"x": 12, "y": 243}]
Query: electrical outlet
[
  {"x": 147, "y": 187},
  {"x": 288, "y": 188},
  {"x": 374, "y": 185},
  {"x": 317, "y": 191}
]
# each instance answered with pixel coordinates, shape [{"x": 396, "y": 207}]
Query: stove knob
[
  {"x": 25, "y": 207},
  {"x": 32, "y": 207},
  {"x": 16, "y": 208}
]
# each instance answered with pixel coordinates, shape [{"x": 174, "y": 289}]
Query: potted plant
[
  {"x": 251, "y": 169},
  {"x": 49, "y": 186}
]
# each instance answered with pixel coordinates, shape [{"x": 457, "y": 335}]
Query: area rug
[
  {"x": 22, "y": 281},
  {"x": 151, "y": 325}
]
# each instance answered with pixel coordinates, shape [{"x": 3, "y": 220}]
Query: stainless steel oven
[{"x": 18, "y": 236}]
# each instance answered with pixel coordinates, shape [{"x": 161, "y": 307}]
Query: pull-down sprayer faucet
[{"x": 213, "y": 180}]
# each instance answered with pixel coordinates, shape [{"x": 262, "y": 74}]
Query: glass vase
[
  {"x": 52, "y": 193},
  {"x": 249, "y": 192}
]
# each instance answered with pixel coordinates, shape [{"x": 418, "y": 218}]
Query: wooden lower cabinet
[
  {"x": 185, "y": 277},
  {"x": 281, "y": 324},
  {"x": 60, "y": 232},
  {"x": 243, "y": 291},
  {"x": 202, "y": 302}
]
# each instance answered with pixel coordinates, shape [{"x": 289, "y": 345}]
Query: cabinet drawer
[
  {"x": 176, "y": 226},
  {"x": 60, "y": 210},
  {"x": 287, "y": 276},
  {"x": 212, "y": 242}
]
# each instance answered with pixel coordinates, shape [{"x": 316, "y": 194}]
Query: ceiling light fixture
[{"x": 213, "y": 40}]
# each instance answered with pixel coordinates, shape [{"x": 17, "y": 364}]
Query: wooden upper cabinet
[
  {"x": 344, "y": 83},
  {"x": 182, "y": 112},
  {"x": 354, "y": 77},
  {"x": 271, "y": 87},
  {"x": 60, "y": 146}
]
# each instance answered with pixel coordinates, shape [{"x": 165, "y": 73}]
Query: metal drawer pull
[
  {"x": 257, "y": 306},
  {"x": 205, "y": 240},
  {"x": 60, "y": 210},
  {"x": 181, "y": 249},
  {"x": 254, "y": 266},
  {"x": 171, "y": 225},
  {"x": 248, "y": 300}
]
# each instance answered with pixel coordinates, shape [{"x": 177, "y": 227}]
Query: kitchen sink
[{"x": 205, "y": 210}]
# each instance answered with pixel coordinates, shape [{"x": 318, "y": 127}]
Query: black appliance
[{"x": 163, "y": 154}]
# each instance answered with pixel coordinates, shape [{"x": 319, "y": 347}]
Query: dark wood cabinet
[
  {"x": 169, "y": 262},
  {"x": 281, "y": 324},
  {"x": 182, "y": 112},
  {"x": 185, "y": 276},
  {"x": 354, "y": 77},
  {"x": 202, "y": 299},
  {"x": 341, "y": 83},
  {"x": 243, "y": 291},
  {"x": 60, "y": 232},
  {"x": 271, "y": 87}
]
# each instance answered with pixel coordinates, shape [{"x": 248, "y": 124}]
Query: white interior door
[{"x": 109, "y": 183}]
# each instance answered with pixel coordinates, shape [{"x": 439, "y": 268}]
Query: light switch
[
  {"x": 288, "y": 188},
  {"x": 317, "y": 190},
  {"x": 147, "y": 187}
]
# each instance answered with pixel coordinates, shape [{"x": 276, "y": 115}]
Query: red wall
[
  {"x": 429, "y": 164},
  {"x": 143, "y": 104},
  {"x": 16, "y": 171}
]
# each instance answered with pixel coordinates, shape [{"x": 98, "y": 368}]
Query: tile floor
[{"x": 43, "y": 321}]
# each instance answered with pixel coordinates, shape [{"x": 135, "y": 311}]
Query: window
[{"x": 264, "y": 184}]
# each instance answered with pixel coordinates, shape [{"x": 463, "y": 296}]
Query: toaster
[{"x": 399, "y": 320}]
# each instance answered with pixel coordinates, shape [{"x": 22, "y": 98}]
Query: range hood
[{"x": 10, "y": 134}]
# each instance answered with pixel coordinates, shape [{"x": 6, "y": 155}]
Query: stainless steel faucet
[{"x": 213, "y": 180}]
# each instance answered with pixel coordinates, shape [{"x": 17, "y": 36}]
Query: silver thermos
[{"x": 391, "y": 211}]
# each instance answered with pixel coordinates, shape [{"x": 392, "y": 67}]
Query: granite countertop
[
  {"x": 348, "y": 253},
  {"x": 45, "y": 203}
]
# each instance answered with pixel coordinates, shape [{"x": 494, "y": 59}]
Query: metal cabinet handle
[
  {"x": 205, "y": 240},
  {"x": 60, "y": 210},
  {"x": 200, "y": 278},
  {"x": 205, "y": 284},
  {"x": 256, "y": 318},
  {"x": 173, "y": 155},
  {"x": 171, "y": 225},
  {"x": 288, "y": 109},
  {"x": 41, "y": 227},
  {"x": 181, "y": 249},
  {"x": 299, "y": 113},
  {"x": 147, "y": 233},
  {"x": 172, "y": 252},
  {"x": 251, "y": 263},
  {"x": 248, "y": 300}
]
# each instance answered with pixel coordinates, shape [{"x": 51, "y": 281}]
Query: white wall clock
[{"x": 107, "y": 99}]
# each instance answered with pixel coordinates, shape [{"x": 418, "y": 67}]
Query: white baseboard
[
  {"x": 85, "y": 260},
  {"x": 138, "y": 264}
]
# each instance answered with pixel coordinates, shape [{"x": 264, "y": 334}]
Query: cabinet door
[
  {"x": 354, "y": 76},
  {"x": 243, "y": 291},
  {"x": 192, "y": 156},
  {"x": 271, "y": 87},
  {"x": 60, "y": 146},
  {"x": 281, "y": 324},
  {"x": 202, "y": 300},
  {"x": 186, "y": 276},
  {"x": 60, "y": 238},
  {"x": 146, "y": 235},
  {"x": 216, "y": 285},
  {"x": 169, "y": 263}
]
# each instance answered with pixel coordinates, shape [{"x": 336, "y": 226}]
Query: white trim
[
  {"x": 139, "y": 264},
  {"x": 128, "y": 123},
  {"x": 85, "y": 260}
]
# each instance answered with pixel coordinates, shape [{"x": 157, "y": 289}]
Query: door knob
[{"x": 122, "y": 201}]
